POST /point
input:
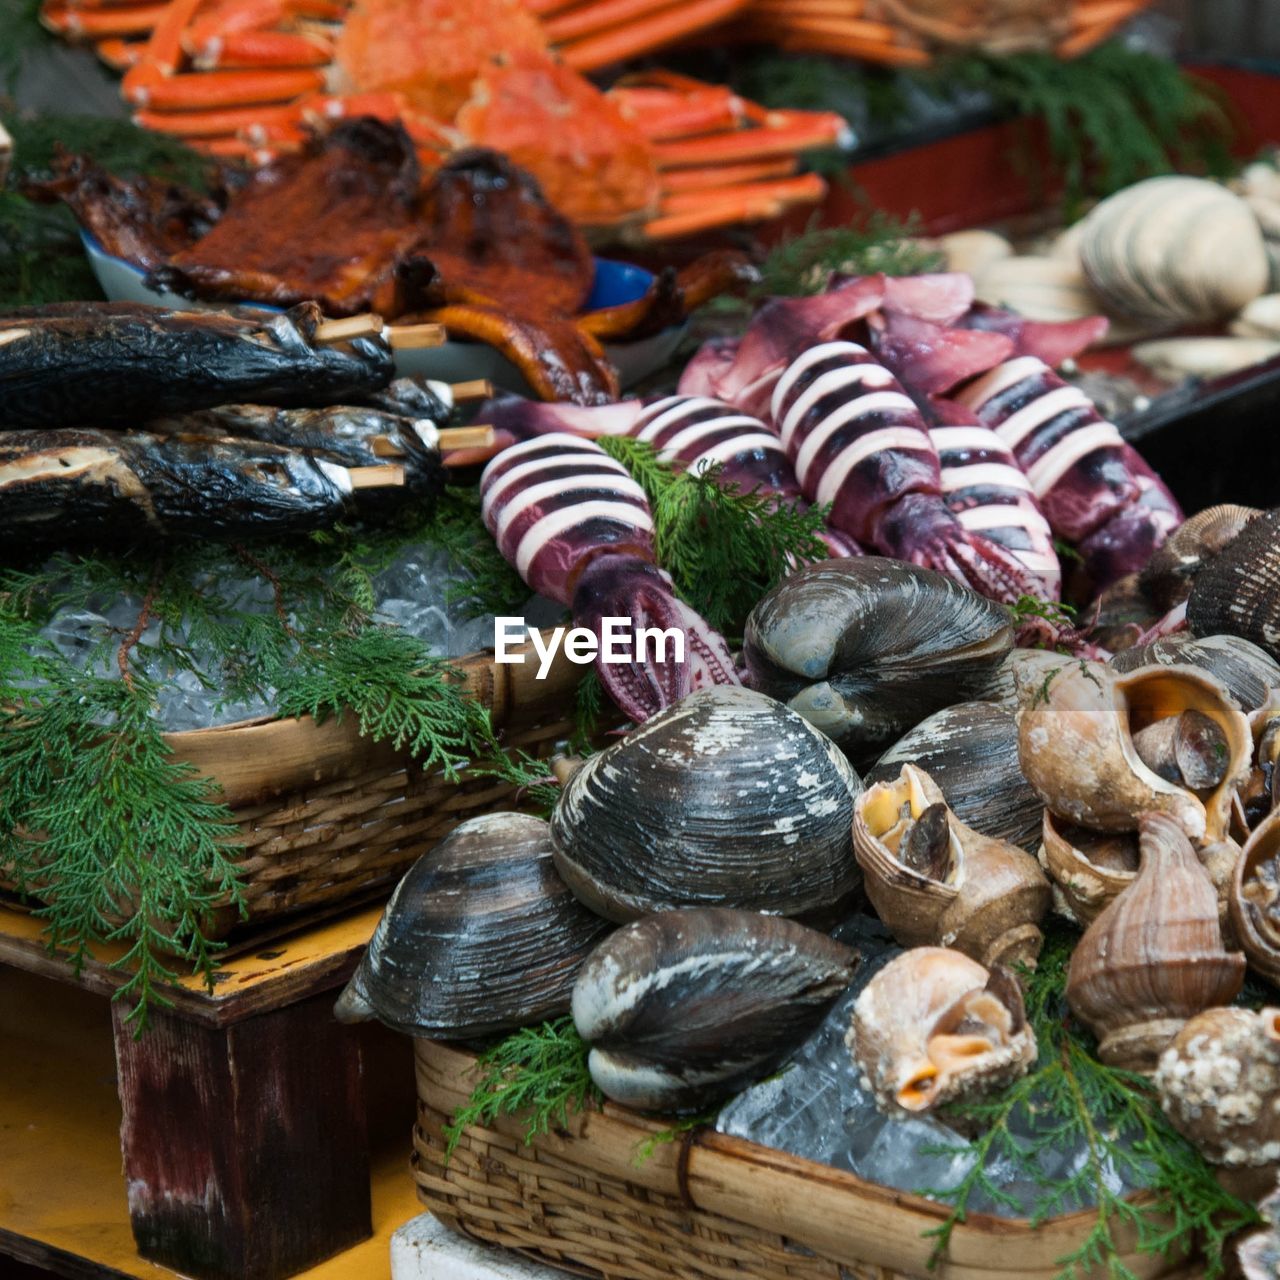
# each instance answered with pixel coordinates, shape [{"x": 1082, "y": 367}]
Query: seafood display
[
  {"x": 937, "y": 882},
  {"x": 1154, "y": 957},
  {"x": 481, "y": 936},
  {"x": 577, "y": 529},
  {"x": 687, "y": 811},
  {"x": 684, "y": 1007},
  {"x": 866, "y": 648},
  {"x": 934, "y": 1026}
]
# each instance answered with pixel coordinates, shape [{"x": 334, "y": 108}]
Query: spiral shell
[
  {"x": 971, "y": 752},
  {"x": 935, "y": 881},
  {"x": 933, "y": 1026},
  {"x": 1255, "y": 899},
  {"x": 1238, "y": 592},
  {"x": 1089, "y": 869},
  {"x": 866, "y": 648},
  {"x": 1154, "y": 957},
  {"x": 1079, "y": 741},
  {"x": 684, "y": 1007},
  {"x": 480, "y": 937},
  {"x": 725, "y": 799}
]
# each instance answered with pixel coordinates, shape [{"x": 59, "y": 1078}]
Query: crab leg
[
  {"x": 94, "y": 24},
  {"x": 675, "y": 181},
  {"x": 804, "y": 188},
  {"x": 667, "y": 24},
  {"x": 577, "y": 528},
  {"x": 1095, "y": 489},
  {"x": 249, "y": 49},
  {"x": 780, "y": 134},
  {"x": 120, "y": 55},
  {"x": 859, "y": 442}
]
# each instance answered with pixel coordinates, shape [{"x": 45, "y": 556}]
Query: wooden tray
[{"x": 709, "y": 1208}]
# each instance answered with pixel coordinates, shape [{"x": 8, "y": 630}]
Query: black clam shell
[
  {"x": 685, "y": 1007},
  {"x": 726, "y": 799},
  {"x": 971, "y": 752},
  {"x": 1237, "y": 593},
  {"x": 480, "y": 937},
  {"x": 866, "y": 648}
]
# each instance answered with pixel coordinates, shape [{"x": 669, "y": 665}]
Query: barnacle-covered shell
[
  {"x": 1154, "y": 957},
  {"x": 1255, "y": 898},
  {"x": 866, "y": 648},
  {"x": 1238, "y": 592},
  {"x": 1076, "y": 741},
  {"x": 684, "y": 1007},
  {"x": 1088, "y": 868},
  {"x": 971, "y": 752},
  {"x": 933, "y": 1026},
  {"x": 481, "y": 936},
  {"x": 1219, "y": 1083},
  {"x": 1169, "y": 573},
  {"x": 725, "y": 799},
  {"x": 935, "y": 881}
]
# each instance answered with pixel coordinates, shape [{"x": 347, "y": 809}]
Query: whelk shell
[
  {"x": 1154, "y": 957},
  {"x": 935, "y": 881},
  {"x": 725, "y": 799},
  {"x": 1077, "y": 731},
  {"x": 1219, "y": 1083},
  {"x": 1255, "y": 898},
  {"x": 933, "y": 1026},
  {"x": 480, "y": 937},
  {"x": 866, "y": 648},
  {"x": 1088, "y": 868},
  {"x": 684, "y": 1007}
]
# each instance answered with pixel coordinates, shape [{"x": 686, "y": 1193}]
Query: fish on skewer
[
  {"x": 106, "y": 363},
  {"x": 577, "y": 528}
]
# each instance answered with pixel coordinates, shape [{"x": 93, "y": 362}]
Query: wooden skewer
[
  {"x": 386, "y": 447},
  {"x": 476, "y": 389},
  {"x": 362, "y": 326},
  {"x": 414, "y": 337},
  {"x": 477, "y": 437},
  {"x": 389, "y": 475}
]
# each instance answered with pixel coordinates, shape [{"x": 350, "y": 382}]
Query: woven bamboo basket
[
  {"x": 325, "y": 815},
  {"x": 708, "y": 1208},
  {"x": 913, "y": 32}
]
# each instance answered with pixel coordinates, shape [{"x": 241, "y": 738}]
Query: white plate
[{"x": 616, "y": 282}]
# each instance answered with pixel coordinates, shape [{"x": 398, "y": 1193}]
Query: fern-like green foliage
[
  {"x": 1115, "y": 1115},
  {"x": 539, "y": 1073},
  {"x": 723, "y": 548}
]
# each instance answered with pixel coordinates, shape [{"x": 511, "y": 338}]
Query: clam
[
  {"x": 1046, "y": 289},
  {"x": 1173, "y": 251},
  {"x": 935, "y": 881},
  {"x": 1088, "y": 868},
  {"x": 1169, "y": 573},
  {"x": 971, "y": 752},
  {"x": 1238, "y": 592},
  {"x": 1084, "y": 748},
  {"x": 684, "y": 1007},
  {"x": 1255, "y": 898},
  {"x": 866, "y": 648},
  {"x": 1219, "y": 1084},
  {"x": 972, "y": 250},
  {"x": 480, "y": 937},
  {"x": 1155, "y": 956},
  {"x": 1176, "y": 358},
  {"x": 725, "y": 799},
  {"x": 934, "y": 1026}
]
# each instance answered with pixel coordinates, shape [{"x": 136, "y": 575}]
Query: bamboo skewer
[
  {"x": 474, "y": 437},
  {"x": 400, "y": 337},
  {"x": 414, "y": 337},
  {"x": 389, "y": 475},
  {"x": 476, "y": 389},
  {"x": 367, "y": 325}
]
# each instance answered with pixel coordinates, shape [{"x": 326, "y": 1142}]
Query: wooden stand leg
[{"x": 245, "y": 1147}]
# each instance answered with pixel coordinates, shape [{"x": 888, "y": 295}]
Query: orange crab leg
[
  {"x": 806, "y": 188},
  {"x": 163, "y": 54},
  {"x": 248, "y": 49},
  {"x": 746, "y": 144},
  {"x": 202, "y": 90},
  {"x": 663, "y": 115},
  {"x": 593, "y": 17},
  {"x": 134, "y": 20},
  {"x": 680, "y": 180},
  {"x": 720, "y": 214},
  {"x": 233, "y": 149},
  {"x": 643, "y": 34},
  {"x": 120, "y": 55},
  {"x": 213, "y": 124}
]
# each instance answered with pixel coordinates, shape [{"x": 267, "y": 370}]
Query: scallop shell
[
  {"x": 1255, "y": 899},
  {"x": 972, "y": 250},
  {"x": 1238, "y": 592},
  {"x": 1076, "y": 742},
  {"x": 1174, "y": 251},
  {"x": 1045, "y": 289},
  {"x": 685, "y": 1007},
  {"x": 1089, "y": 869},
  {"x": 866, "y": 648},
  {"x": 726, "y": 799},
  {"x": 962, "y": 889},
  {"x": 1219, "y": 1084},
  {"x": 1155, "y": 956},
  {"x": 971, "y": 752},
  {"x": 1176, "y": 358},
  {"x": 933, "y": 1026},
  {"x": 1172, "y": 568},
  {"x": 480, "y": 937}
]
